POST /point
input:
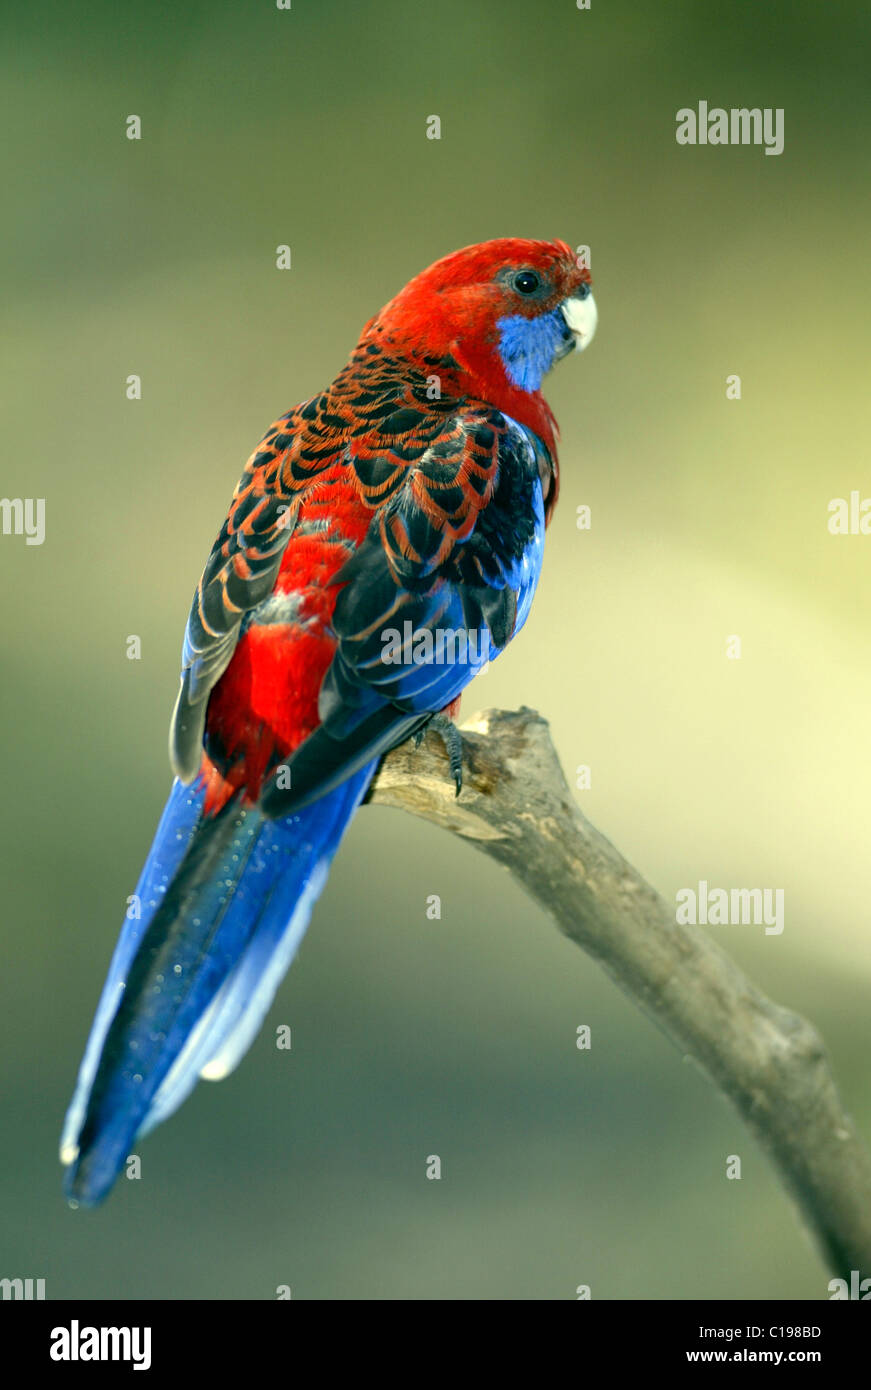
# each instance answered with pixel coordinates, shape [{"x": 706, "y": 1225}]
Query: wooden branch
[{"x": 516, "y": 806}]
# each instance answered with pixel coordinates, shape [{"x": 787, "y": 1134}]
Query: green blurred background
[{"x": 413, "y": 1037}]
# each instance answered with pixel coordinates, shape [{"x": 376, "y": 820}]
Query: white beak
[{"x": 581, "y": 316}]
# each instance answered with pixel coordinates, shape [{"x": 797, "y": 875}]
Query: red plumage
[
  {"x": 323, "y": 471},
  {"x": 266, "y": 702}
]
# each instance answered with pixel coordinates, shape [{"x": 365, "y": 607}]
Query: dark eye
[
  {"x": 583, "y": 291},
  {"x": 526, "y": 282}
]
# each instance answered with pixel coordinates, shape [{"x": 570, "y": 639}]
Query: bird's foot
[{"x": 453, "y": 741}]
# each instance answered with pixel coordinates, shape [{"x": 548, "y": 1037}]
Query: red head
[{"x": 504, "y": 311}]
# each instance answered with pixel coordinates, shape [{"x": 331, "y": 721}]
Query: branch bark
[{"x": 516, "y": 807}]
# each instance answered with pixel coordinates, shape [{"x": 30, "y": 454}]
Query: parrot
[{"x": 407, "y": 500}]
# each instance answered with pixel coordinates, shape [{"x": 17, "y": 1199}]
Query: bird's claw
[{"x": 453, "y": 741}]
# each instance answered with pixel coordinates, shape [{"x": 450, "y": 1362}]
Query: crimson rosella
[{"x": 408, "y": 501}]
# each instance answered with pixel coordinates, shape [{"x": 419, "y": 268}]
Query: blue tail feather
[{"x": 224, "y": 904}]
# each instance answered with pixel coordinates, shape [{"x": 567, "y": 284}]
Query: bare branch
[{"x": 516, "y": 806}]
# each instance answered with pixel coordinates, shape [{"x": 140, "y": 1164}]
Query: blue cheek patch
[{"x": 528, "y": 346}]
